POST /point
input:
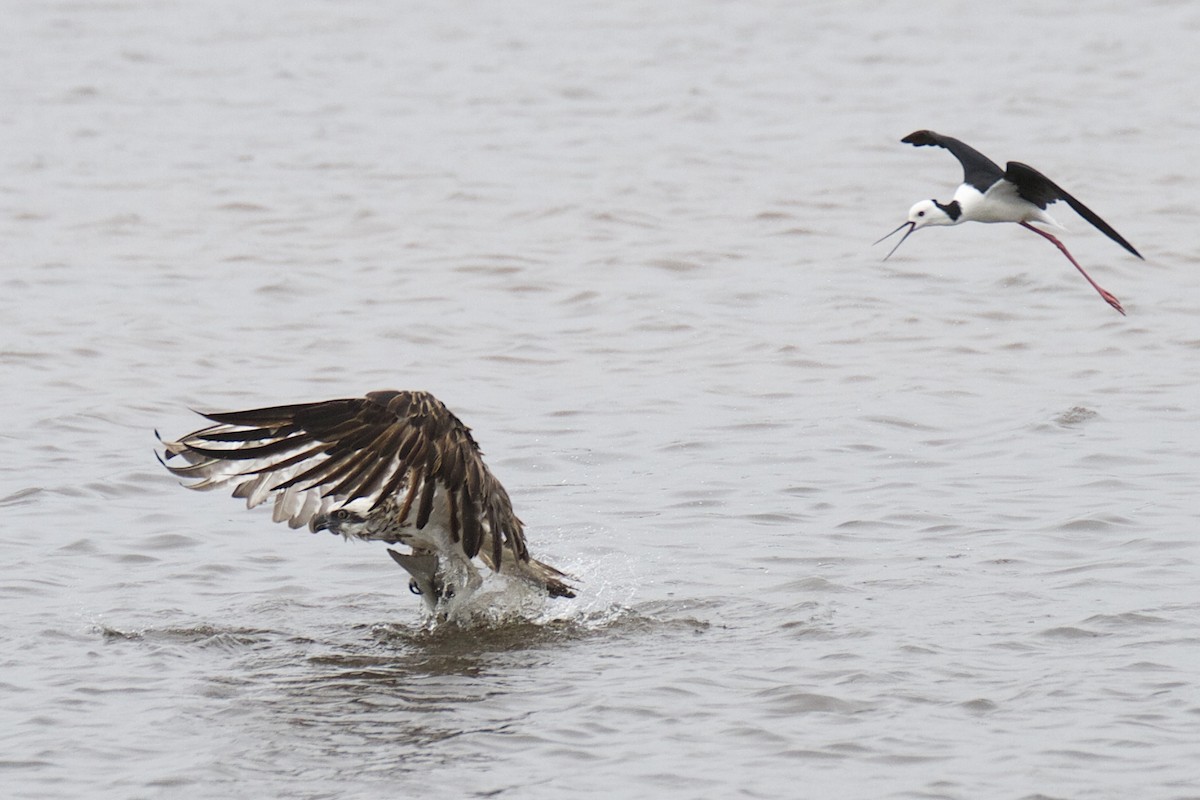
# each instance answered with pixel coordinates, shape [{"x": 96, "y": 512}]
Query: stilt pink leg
[{"x": 1109, "y": 298}]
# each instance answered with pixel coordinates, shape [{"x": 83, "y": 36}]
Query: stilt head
[
  {"x": 931, "y": 212},
  {"x": 926, "y": 212}
]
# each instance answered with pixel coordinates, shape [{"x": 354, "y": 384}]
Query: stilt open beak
[{"x": 912, "y": 226}]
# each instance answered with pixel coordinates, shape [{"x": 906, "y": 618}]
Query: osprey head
[{"x": 340, "y": 522}]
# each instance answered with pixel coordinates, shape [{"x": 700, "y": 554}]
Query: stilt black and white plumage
[
  {"x": 396, "y": 467},
  {"x": 1017, "y": 194}
]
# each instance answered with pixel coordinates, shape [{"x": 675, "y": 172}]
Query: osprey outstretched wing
[{"x": 397, "y": 467}]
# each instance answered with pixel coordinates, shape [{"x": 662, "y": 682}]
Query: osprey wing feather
[{"x": 390, "y": 451}]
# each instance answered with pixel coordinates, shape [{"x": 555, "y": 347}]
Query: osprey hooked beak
[
  {"x": 333, "y": 521},
  {"x": 912, "y": 226}
]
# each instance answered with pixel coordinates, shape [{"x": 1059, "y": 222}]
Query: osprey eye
[{"x": 341, "y": 513}]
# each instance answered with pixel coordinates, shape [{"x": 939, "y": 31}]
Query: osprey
[{"x": 395, "y": 467}]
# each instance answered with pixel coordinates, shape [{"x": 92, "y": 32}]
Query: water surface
[{"x": 843, "y": 528}]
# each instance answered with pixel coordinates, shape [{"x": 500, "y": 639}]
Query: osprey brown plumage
[{"x": 397, "y": 467}]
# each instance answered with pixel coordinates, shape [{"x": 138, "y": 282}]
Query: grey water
[{"x": 842, "y": 528}]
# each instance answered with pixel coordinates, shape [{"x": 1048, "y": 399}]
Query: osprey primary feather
[{"x": 396, "y": 467}]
